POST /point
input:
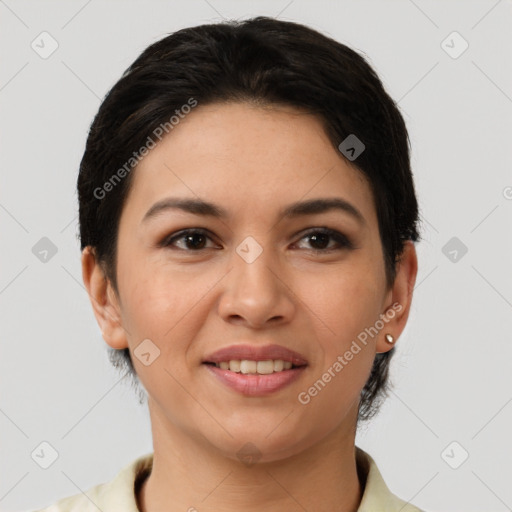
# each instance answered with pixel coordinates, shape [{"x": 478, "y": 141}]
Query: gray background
[{"x": 452, "y": 370}]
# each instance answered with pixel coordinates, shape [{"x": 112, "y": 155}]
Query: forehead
[{"x": 249, "y": 159}]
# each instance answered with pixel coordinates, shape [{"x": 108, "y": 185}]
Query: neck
[{"x": 194, "y": 477}]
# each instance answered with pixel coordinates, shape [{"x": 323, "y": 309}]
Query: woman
[{"x": 247, "y": 222}]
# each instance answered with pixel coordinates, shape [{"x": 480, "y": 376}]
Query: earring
[{"x": 389, "y": 338}]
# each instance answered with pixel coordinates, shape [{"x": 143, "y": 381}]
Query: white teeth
[
  {"x": 246, "y": 366},
  {"x": 278, "y": 365},
  {"x": 234, "y": 366},
  {"x": 265, "y": 367}
]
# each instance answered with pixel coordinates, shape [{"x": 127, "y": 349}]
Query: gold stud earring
[{"x": 389, "y": 338}]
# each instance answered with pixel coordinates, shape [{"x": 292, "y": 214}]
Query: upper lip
[{"x": 255, "y": 353}]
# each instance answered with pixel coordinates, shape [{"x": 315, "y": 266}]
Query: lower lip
[{"x": 256, "y": 385}]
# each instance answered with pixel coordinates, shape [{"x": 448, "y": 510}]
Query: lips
[
  {"x": 255, "y": 353},
  {"x": 235, "y": 366}
]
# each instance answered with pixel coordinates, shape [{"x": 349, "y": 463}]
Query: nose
[{"x": 255, "y": 293}]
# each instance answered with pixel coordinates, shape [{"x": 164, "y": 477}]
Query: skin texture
[{"x": 252, "y": 161}]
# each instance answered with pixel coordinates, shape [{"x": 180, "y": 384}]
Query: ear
[
  {"x": 104, "y": 300},
  {"x": 399, "y": 298}
]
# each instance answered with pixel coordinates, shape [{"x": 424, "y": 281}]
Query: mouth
[
  {"x": 251, "y": 367},
  {"x": 255, "y": 370}
]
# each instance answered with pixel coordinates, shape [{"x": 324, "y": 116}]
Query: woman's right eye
[{"x": 191, "y": 240}]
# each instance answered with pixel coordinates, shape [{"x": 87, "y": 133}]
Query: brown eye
[
  {"x": 191, "y": 240},
  {"x": 319, "y": 240}
]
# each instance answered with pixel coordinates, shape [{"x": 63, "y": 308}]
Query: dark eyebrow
[
  {"x": 205, "y": 208},
  {"x": 195, "y": 206},
  {"x": 316, "y": 206}
]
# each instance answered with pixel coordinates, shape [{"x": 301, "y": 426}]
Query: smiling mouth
[{"x": 250, "y": 367}]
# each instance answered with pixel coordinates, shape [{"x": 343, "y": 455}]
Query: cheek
[
  {"x": 345, "y": 355},
  {"x": 156, "y": 310},
  {"x": 167, "y": 308},
  {"x": 154, "y": 300},
  {"x": 345, "y": 305},
  {"x": 345, "y": 301}
]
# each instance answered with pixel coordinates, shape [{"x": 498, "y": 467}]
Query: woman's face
[{"x": 253, "y": 277}]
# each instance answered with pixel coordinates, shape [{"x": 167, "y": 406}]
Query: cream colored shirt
[{"x": 119, "y": 495}]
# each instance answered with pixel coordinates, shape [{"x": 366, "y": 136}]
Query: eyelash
[{"x": 343, "y": 241}]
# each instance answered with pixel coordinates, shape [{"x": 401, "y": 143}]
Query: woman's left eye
[
  {"x": 321, "y": 237},
  {"x": 195, "y": 240}
]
